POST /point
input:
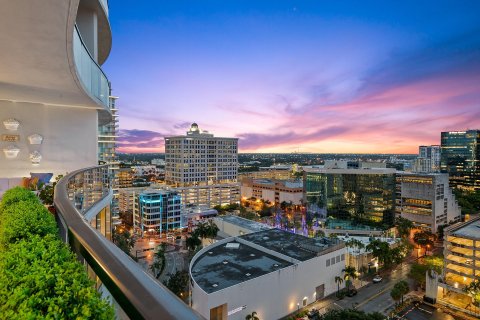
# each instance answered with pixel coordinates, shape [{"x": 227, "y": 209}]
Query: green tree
[
  {"x": 424, "y": 239},
  {"x": 252, "y": 316},
  {"x": 473, "y": 290},
  {"x": 193, "y": 242},
  {"x": 46, "y": 193},
  {"x": 403, "y": 227},
  {"x": 351, "y": 314},
  {"x": 400, "y": 288},
  {"x": 381, "y": 251},
  {"x": 124, "y": 241},
  {"x": 159, "y": 261},
  {"x": 396, "y": 294},
  {"x": 419, "y": 269},
  {"x": 338, "y": 281},
  {"x": 178, "y": 283},
  {"x": 350, "y": 275}
]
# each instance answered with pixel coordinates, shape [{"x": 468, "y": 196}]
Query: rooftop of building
[
  {"x": 350, "y": 171},
  {"x": 469, "y": 229},
  {"x": 365, "y": 241},
  {"x": 245, "y": 223},
  {"x": 290, "y": 244},
  {"x": 231, "y": 263},
  {"x": 243, "y": 258}
]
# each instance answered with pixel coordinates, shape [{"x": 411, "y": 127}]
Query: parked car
[
  {"x": 313, "y": 314},
  {"x": 469, "y": 261},
  {"x": 352, "y": 292},
  {"x": 377, "y": 279}
]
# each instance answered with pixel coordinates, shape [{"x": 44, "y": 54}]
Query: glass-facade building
[
  {"x": 352, "y": 194},
  {"x": 460, "y": 158},
  {"x": 158, "y": 211}
]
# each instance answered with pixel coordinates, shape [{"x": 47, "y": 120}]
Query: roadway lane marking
[{"x": 374, "y": 296}]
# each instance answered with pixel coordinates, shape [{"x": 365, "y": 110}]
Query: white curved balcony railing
[
  {"x": 104, "y": 4},
  {"x": 91, "y": 75},
  {"x": 80, "y": 194}
]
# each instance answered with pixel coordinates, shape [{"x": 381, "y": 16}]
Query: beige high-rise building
[
  {"x": 202, "y": 167},
  {"x": 199, "y": 158}
]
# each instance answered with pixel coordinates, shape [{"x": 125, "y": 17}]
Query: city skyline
[{"x": 296, "y": 76}]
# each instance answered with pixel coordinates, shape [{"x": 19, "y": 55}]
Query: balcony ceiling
[{"x": 36, "y": 55}]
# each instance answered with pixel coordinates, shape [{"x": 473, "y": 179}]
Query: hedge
[
  {"x": 15, "y": 195},
  {"x": 40, "y": 277},
  {"x": 24, "y": 219}
]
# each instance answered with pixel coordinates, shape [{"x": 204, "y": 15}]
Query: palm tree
[
  {"x": 473, "y": 290},
  {"x": 338, "y": 281},
  {"x": 193, "y": 242},
  {"x": 252, "y": 316},
  {"x": 350, "y": 274}
]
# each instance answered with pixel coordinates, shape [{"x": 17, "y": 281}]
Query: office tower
[
  {"x": 351, "y": 194},
  {"x": 203, "y": 166},
  {"x": 460, "y": 158},
  {"x": 158, "y": 211},
  {"x": 426, "y": 199},
  {"x": 428, "y": 159}
]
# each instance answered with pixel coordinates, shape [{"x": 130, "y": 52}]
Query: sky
[{"x": 296, "y": 76}]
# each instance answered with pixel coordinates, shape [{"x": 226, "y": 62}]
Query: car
[
  {"x": 377, "y": 279},
  {"x": 313, "y": 314},
  {"x": 469, "y": 261},
  {"x": 352, "y": 292}
]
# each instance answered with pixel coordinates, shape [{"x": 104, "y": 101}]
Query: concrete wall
[
  {"x": 276, "y": 294},
  {"x": 69, "y": 138},
  {"x": 295, "y": 198}
]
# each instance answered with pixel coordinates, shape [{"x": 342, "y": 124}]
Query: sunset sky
[{"x": 307, "y": 76}]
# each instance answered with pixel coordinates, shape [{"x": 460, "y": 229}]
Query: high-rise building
[
  {"x": 107, "y": 139},
  {"x": 199, "y": 158},
  {"x": 428, "y": 159},
  {"x": 53, "y": 91},
  {"x": 460, "y": 158},
  {"x": 426, "y": 199},
  {"x": 461, "y": 265},
  {"x": 158, "y": 211},
  {"x": 351, "y": 194},
  {"x": 125, "y": 178},
  {"x": 203, "y": 167}
]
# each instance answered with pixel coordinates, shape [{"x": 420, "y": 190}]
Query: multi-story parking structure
[{"x": 426, "y": 199}]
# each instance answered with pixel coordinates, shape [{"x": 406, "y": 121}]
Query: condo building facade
[
  {"x": 54, "y": 94},
  {"x": 202, "y": 167},
  {"x": 426, "y": 199},
  {"x": 460, "y": 158},
  {"x": 158, "y": 211},
  {"x": 275, "y": 191},
  {"x": 428, "y": 159},
  {"x": 362, "y": 194}
]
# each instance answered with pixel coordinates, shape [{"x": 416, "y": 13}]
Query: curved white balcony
[
  {"x": 79, "y": 197},
  {"x": 91, "y": 75}
]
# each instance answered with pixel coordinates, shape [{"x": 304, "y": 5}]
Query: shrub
[
  {"x": 24, "y": 219},
  {"x": 17, "y": 194},
  {"x": 40, "y": 277}
]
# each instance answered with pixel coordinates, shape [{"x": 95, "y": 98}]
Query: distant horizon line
[{"x": 402, "y": 154}]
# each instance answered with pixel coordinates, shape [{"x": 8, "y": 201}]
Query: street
[{"x": 372, "y": 297}]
